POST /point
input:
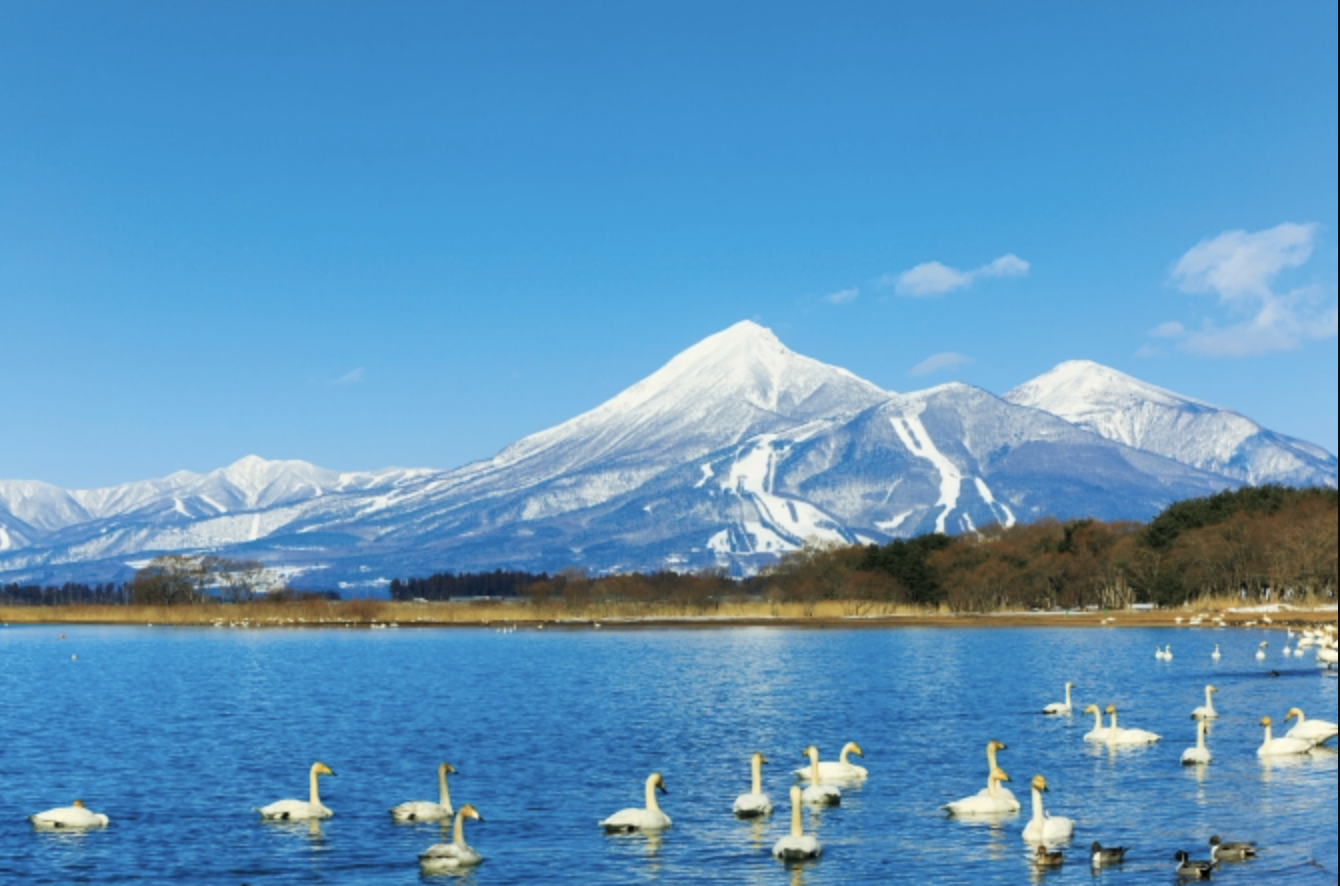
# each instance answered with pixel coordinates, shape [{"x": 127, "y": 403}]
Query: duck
[
  {"x": 300, "y": 810},
  {"x": 755, "y": 803},
  {"x": 840, "y": 769},
  {"x": 1206, "y": 711},
  {"x": 797, "y": 844},
  {"x": 1221, "y": 851},
  {"x": 815, "y": 793},
  {"x": 1192, "y": 870},
  {"x": 1261, "y": 650},
  {"x": 76, "y": 816},
  {"x": 423, "y": 810},
  {"x": 1199, "y": 754},
  {"x": 1044, "y": 859},
  {"x": 1043, "y": 828},
  {"x": 1281, "y": 747},
  {"x": 1216, "y": 654},
  {"x": 991, "y": 800},
  {"x": 1098, "y": 856},
  {"x": 648, "y": 818},
  {"x": 1098, "y": 734},
  {"x": 1127, "y": 737},
  {"x": 457, "y": 853},
  {"x": 1315, "y": 731},
  {"x": 1060, "y": 707}
]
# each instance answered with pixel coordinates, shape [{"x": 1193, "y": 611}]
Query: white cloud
[
  {"x": 1240, "y": 268},
  {"x": 352, "y": 377},
  {"x": 842, "y": 296},
  {"x": 939, "y": 363},
  {"x": 933, "y": 278}
]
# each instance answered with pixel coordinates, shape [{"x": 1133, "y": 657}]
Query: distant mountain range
[{"x": 735, "y": 451}]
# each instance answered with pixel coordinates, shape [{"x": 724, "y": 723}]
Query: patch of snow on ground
[
  {"x": 891, "y": 525},
  {"x": 985, "y": 492},
  {"x": 912, "y": 432},
  {"x": 707, "y": 475}
]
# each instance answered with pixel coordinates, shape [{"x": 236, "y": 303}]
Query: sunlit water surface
[{"x": 178, "y": 733}]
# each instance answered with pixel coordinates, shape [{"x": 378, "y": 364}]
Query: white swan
[
  {"x": 1167, "y": 653},
  {"x": 1216, "y": 654},
  {"x": 648, "y": 818},
  {"x": 1261, "y": 650},
  {"x": 76, "y": 816},
  {"x": 423, "y": 810},
  {"x": 1281, "y": 747},
  {"x": 457, "y": 853},
  {"x": 796, "y": 844},
  {"x": 988, "y": 801},
  {"x": 1199, "y": 754},
  {"x": 816, "y": 794},
  {"x": 1098, "y": 734},
  {"x": 300, "y": 810},
  {"x": 1158, "y": 654},
  {"x": 1060, "y": 707},
  {"x": 1315, "y": 731},
  {"x": 1117, "y": 737},
  {"x": 1206, "y": 711},
  {"x": 1043, "y": 828},
  {"x": 754, "y": 803},
  {"x": 840, "y": 769}
]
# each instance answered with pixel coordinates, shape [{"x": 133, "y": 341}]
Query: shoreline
[{"x": 455, "y": 615}]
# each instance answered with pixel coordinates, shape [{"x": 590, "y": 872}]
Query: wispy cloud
[
  {"x": 1239, "y": 269},
  {"x": 842, "y": 296},
  {"x": 352, "y": 377},
  {"x": 939, "y": 363},
  {"x": 932, "y": 278}
]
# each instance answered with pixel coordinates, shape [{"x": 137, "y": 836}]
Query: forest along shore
[{"x": 498, "y": 614}]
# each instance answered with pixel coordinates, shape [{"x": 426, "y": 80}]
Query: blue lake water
[{"x": 178, "y": 733}]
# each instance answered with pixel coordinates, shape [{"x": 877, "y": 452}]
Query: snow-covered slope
[
  {"x": 1141, "y": 415},
  {"x": 733, "y": 452}
]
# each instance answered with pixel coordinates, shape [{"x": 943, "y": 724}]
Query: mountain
[
  {"x": 1130, "y": 411},
  {"x": 735, "y": 451}
]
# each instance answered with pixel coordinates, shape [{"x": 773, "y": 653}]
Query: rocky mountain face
[{"x": 734, "y": 452}]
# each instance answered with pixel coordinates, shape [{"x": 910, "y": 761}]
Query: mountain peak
[
  {"x": 1075, "y": 387},
  {"x": 731, "y": 385}
]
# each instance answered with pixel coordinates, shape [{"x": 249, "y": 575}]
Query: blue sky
[{"x": 408, "y": 234}]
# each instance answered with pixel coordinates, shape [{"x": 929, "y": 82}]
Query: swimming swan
[
  {"x": 1281, "y": 747},
  {"x": 72, "y": 817},
  {"x": 754, "y": 803},
  {"x": 1199, "y": 754},
  {"x": 456, "y": 854},
  {"x": 816, "y": 794},
  {"x": 796, "y": 844},
  {"x": 1261, "y": 650},
  {"x": 840, "y": 769},
  {"x": 1060, "y": 707},
  {"x": 300, "y": 810},
  {"x": 1043, "y": 828},
  {"x": 422, "y": 810},
  {"x": 648, "y": 818},
  {"x": 1216, "y": 654},
  {"x": 988, "y": 801},
  {"x": 1098, "y": 734},
  {"x": 1315, "y": 731},
  {"x": 1206, "y": 711},
  {"x": 1127, "y": 737}
]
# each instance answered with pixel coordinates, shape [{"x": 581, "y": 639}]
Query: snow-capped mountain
[
  {"x": 735, "y": 451},
  {"x": 1143, "y": 416}
]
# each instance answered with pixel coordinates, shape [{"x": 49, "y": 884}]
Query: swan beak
[
  {"x": 660, "y": 786},
  {"x": 762, "y": 759}
]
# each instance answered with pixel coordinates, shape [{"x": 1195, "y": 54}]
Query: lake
[{"x": 177, "y": 734}]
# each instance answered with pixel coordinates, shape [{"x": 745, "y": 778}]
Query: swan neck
[
  {"x": 458, "y": 829},
  {"x": 814, "y": 770},
  {"x": 991, "y": 784},
  {"x": 1067, "y": 695},
  {"x": 796, "y": 827},
  {"x": 444, "y": 795},
  {"x": 315, "y": 797},
  {"x": 1037, "y": 805},
  {"x": 1268, "y": 738},
  {"x": 1200, "y": 735},
  {"x": 846, "y": 749},
  {"x": 1097, "y": 720},
  {"x": 651, "y": 795},
  {"x": 756, "y": 775}
]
